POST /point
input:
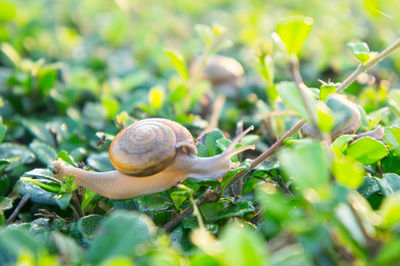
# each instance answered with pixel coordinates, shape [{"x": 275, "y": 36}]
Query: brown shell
[
  {"x": 219, "y": 69},
  {"x": 148, "y": 146}
]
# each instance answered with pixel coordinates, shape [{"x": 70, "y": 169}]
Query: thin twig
[
  {"x": 77, "y": 206},
  {"x": 239, "y": 130},
  {"x": 21, "y": 204},
  {"x": 217, "y": 107},
  {"x": 302, "y": 88},
  {"x": 362, "y": 68},
  {"x": 197, "y": 213},
  {"x": 268, "y": 152}
]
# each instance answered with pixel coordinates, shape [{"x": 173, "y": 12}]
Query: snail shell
[
  {"x": 148, "y": 146},
  {"x": 225, "y": 73}
]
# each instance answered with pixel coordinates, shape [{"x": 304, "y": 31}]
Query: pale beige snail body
[
  {"x": 150, "y": 156},
  {"x": 349, "y": 117}
]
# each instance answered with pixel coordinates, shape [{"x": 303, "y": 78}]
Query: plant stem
[
  {"x": 362, "y": 68},
  {"x": 294, "y": 69},
  {"x": 239, "y": 185},
  {"x": 77, "y": 206},
  {"x": 268, "y": 152},
  {"x": 197, "y": 213},
  {"x": 21, "y": 204}
]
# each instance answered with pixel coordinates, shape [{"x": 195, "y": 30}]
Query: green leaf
[
  {"x": 4, "y": 184},
  {"x": 360, "y": 51},
  {"x": 155, "y": 201},
  {"x": 326, "y": 90},
  {"x": 178, "y": 62},
  {"x": 129, "y": 204},
  {"x": 3, "y": 130},
  {"x": 390, "y": 164},
  {"x": 293, "y": 32},
  {"x": 36, "y": 193},
  {"x": 307, "y": 164},
  {"x": 266, "y": 68},
  {"x": 346, "y": 216},
  {"x": 394, "y": 101},
  {"x": 156, "y": 97},
  {"x": 45, "y": 184},
  {"x": 367, "y": 150},
  {"x": 5, "y": 203},
  {"x": 325, "y": 117},
  {"x": 376, "y": 116},
  {"x": 343, "y": 114},
  {"x": 178, "y": 93},
  {"x": 369, "y": 187},
  {"x": 39, "y": 130},
  {"x": 69, "y": 250},
  {"x": 88, "y": 225},
  {"x": 242, "y": 246},
  {"x": 392, "y": 139},
  {"x": 88, "y": 196},
  {"x": 233, "y": 210},
  {"x": 100, "y": 162},
  {"x": 390, "y": 210},
  {"x": 43, "y": 152},
  {"x": 63, "y": 200},
  {"x": 7, "y": 11},
  {"x": 16, "y": 154},
  {"x": 178, "y": 197},
  {"x": 292, "y": 98},
  {"x": 111, "y": 105},
  {"x": 222, "y": 144},
  {"x": 16, "y": 241},
  {"x": 389, "y": 253},
  {"x": 211, "y": 141},
  {"x": 202, "y": 150},
  {"x": 232, "y": 173},
  {"x": 348, "y": 172},
  {"x": 389, "y": 184},
  {"x": 291, "y": 255},
  {"x": 63, "y": 155},
  {"x": 119, "y": 235},
  {"x": 46, "y": 77},
  {"x": 340, "y": 144}
]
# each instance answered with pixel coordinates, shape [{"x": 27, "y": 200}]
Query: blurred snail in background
[
  {"x": 226, "y": 77},
  {"x": 151, "y": 156},
  {"x": 224, "y": 73},
  {"x": 349, "y": 117}
]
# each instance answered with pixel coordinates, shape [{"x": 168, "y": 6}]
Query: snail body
[
  {"x": 151, "y": 156},
  {"x": 349, "y": 117}
]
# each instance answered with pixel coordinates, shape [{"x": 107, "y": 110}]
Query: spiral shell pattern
[{"x": 147, "y": 146}]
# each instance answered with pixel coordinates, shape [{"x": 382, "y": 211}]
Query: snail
[
  {"x": 224, "y": 73},
  {"x": 151, "y": 156},
  {"x": 347, "y": 114}
]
